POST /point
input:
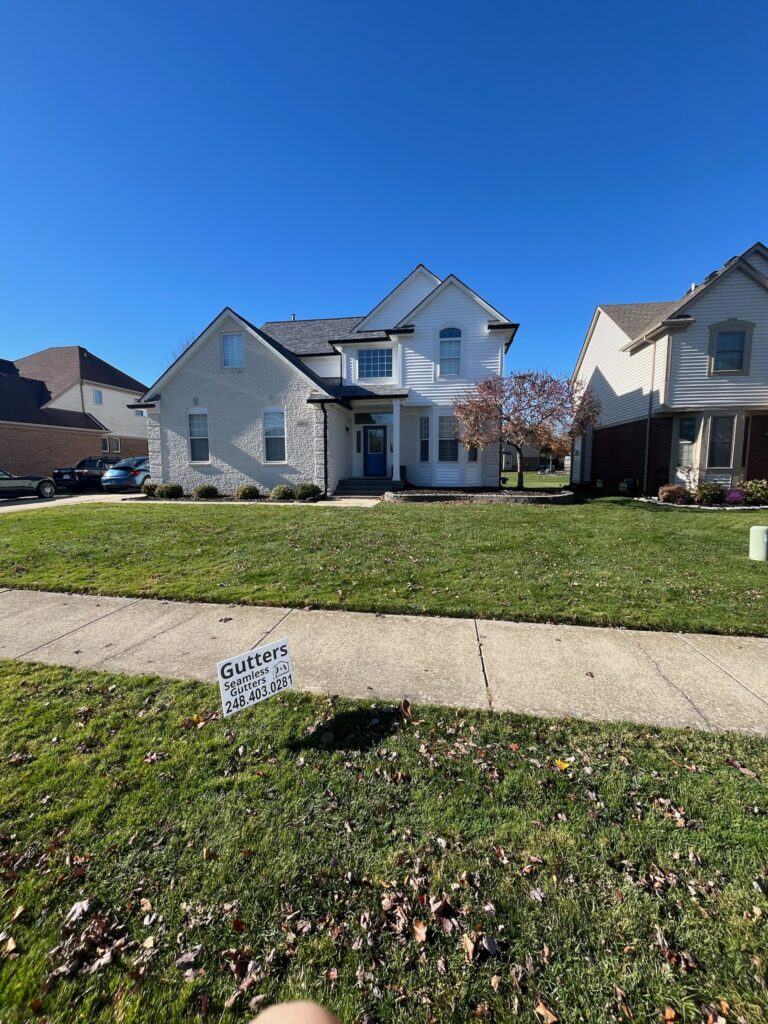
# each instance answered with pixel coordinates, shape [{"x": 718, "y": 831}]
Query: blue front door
[{"x": 375, "y": 451}]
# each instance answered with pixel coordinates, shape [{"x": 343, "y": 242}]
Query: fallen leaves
[
  {"x": 544, "y": 1013},
  {"x": 419, "y": 929},
  {"x": 740, "y": 768}
]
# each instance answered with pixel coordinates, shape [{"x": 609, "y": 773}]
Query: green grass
[
  {"x": 287, "y": 837},
  {"x": 532, "y": 481},
  {"x": 605, "y": 562}
]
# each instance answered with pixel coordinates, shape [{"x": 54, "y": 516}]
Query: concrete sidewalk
[
  {"x": 700, "y": 681},
  {"x": 100, "y": 497}
]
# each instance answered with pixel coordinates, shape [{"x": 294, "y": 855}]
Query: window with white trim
[
  {"x": 198, "y": 437},
  {"x": 373, "y": 363},
  {"x": 447, "y": 439},
  {"x": 274, "y": 435},
  {"x": 424, "y": 438},
  {"x": 720, "y": 442},
  {"x": 450, "y": 352},
  {"x": 686, "y": 441},
  {"x": 98, "y": 397},
  {"x": 232, "y": 351},
  {"x": 105, "y": 444},
  {"x": 114, "y": 445}
]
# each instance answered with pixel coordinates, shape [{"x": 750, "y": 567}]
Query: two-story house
[
  {"x": 355, "y": 403},
  {"x": 683, "y": 385},
  {"x": 63, "y": 404}
]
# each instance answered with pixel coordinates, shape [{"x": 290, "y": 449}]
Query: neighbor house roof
[
  {"x": 22, "y": 400},
  {"x": 61, "y": 366},
  {"x": 310, "y": 337},
  {"x": 634, "y": 318}
]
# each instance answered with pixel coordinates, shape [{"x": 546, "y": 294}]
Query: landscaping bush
[
  {"x": 755, "y": 492},
  {"x": 283, "y": 492},
  {"x": 247, "y": 492},
  {"x": 205, "y": 492},
  {"x": 307, "y": 492},
  {"x": 674, "y": 494},
  {"x": 170, "y": 492},
  {"x": 149, "y": 487},
  {"x": 734, "y": 496},
  {"x": 709, "y": 492}
]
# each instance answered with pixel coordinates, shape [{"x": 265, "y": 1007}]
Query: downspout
[
  {"x": 325, "y": 449},
  {"x": 648, "y": 422}
]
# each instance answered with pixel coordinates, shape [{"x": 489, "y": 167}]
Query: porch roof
[{"x": 346, "y": 393}]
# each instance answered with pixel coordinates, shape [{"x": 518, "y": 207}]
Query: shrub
[
  {"x": 283, "y": 492},
  {"x": 674, "y": 494},
  {"x": 755, "y": 492},
  {"x": 306, "y": 492},
  {"x": 247, "y": 492},
  {"x": 734, "y": 496},
  {"x": 205, "y": 492},
  {"x": 170, "y": 492},
  {"x": 149, "y": 487},
  {"x": 709, "y": 492}
]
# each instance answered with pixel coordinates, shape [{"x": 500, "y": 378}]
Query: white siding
[
  {"x": 620, "y": 381},
  {"x": 323, "y": 366},
  {"x": 759, "y": 262},
  {"x": 112, "y": 412},
  {"x": 405, "y": 298},
  {"x": 481, "y": 351},
  {"x": 736, "y": 296}
]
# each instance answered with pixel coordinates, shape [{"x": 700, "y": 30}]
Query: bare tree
[
  {"x": 529, "y": 408},
  {"x": 177, "y": 350}
]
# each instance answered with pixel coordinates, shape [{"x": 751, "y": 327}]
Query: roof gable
[
  {"x": 411, "y": 290},
  {"x": 454, "y": 281},
  {"x": 255, "y": 332}
]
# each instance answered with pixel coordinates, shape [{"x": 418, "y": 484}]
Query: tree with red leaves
[{"x": 529, "y": 408}]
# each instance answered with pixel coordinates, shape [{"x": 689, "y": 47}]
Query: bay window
[{"x": 448, "y": 439}]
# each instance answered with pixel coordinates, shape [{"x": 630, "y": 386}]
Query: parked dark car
[
  {"x": 86, "y": 473},
  {"x": 14, "y": 486},
  {"x": 127, "y": 475}
]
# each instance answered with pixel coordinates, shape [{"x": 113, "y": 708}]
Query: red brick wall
[
  {"x": 757, "y": 456},
  {"x": 618, "y": 453},
  {"x": 30, "y": 449}
]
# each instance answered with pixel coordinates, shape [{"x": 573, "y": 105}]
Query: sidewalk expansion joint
[
  {"x": 488, "y": 691},
  {"x": 722, "y": 668},
  {"x": 83, "y": 625}
]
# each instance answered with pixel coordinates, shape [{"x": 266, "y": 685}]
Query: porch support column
[{"x": 395, "y": 440}]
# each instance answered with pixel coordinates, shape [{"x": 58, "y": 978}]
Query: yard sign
[{"x": 254, "y": 676}]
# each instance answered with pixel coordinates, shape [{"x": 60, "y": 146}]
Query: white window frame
[
  {"x": 424, "y": 437},
  {"x": 100, "y": 393},
  {"x": 377, "y": 348},
  {"x": 440, "y": 438},
  {"x": 284, "y": 460},
  {"x": 105, "y": 446},
  {"x": 198, "y": 410},
  {"x": 232, "y": 366},
  {"x": 115, "y": 446},
  {"x": 439, "y": 361},
  {"x": 734, "y": 424}
]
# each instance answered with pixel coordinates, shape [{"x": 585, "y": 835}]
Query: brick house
[
  {"x": 683, "y": 385},
  {"x": 63, "y": 404},
  {"x": 352, "y": 404}
]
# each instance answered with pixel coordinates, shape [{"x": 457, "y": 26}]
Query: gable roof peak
[{"x": 419, "y": 269}]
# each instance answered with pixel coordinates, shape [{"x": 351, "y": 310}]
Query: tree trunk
[{"x": 519, "y": 456}]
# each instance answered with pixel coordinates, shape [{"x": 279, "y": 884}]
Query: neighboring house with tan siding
[
  {"x": 353, "y": 404},
  {"x": 682, "y": 385},
  {"x": 63, "y": 404}
]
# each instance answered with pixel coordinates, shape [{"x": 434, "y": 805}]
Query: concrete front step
[{"x": 365, "y": 487}]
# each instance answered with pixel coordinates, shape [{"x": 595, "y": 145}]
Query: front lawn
[
  {"x": 536, "y": 481},
  {"x": 161, "y": 864},
  {"x": 605, "y": 562}
]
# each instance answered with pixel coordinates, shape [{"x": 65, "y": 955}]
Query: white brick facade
[{"x": 235, "y": 401}]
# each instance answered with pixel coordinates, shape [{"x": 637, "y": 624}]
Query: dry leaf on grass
[{"x": 544, "y": 1013}]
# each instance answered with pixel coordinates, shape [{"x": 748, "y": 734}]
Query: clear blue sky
[{"x": 162, "y": 160}]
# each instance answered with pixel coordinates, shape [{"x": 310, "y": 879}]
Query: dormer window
[
  {"x": 373, "y": 363},
  {"x": 730, "y": 344},
  {"x": 450, "y": 352}
]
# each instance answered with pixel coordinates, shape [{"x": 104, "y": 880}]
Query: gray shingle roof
[
  {"x": 310, "y": 337},
  {"x": 347, "y": 391},
  {"x": 636, "y": 317},
  {"x": 22, "y": 400},
  {"x": 61, "y": 366}
]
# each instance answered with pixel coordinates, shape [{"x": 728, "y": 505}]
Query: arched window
[{"x": 450, "y": 352}]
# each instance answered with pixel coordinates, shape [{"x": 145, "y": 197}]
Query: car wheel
[{"x": 45, "y": 489}]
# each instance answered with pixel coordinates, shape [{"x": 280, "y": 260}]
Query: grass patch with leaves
[
  {"x": 605, "y": 562},
  {"x": 159, "y": 863}
]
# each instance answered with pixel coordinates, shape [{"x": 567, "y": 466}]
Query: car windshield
[{"x": 130, "y": 463}]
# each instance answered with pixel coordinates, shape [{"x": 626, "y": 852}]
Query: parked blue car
[{"x": 127, "y": 475}]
